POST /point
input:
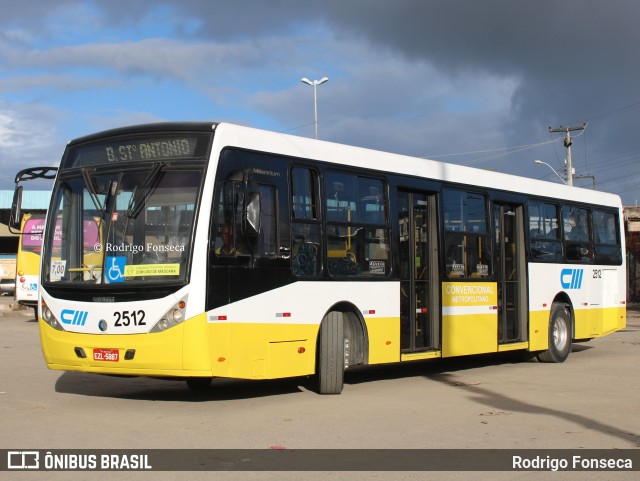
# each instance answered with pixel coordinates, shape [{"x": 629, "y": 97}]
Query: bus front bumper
[{"x": 157, "y": 354}]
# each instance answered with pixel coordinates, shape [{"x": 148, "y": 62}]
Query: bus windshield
[{"x": 137, "y": 224}]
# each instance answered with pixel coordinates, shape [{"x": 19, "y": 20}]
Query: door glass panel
[
  {"x": 507, "y": 264},
  {"x": 415, "y": 315}
]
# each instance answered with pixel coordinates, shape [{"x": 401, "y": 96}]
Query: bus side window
[
  {"x": 466, "y": 237},
  {"x": 356, "y": 230},
  {"x": 544, "y": 235},
  {"x": 577, "y": 234},
  {"x": 607, "y": 240}
]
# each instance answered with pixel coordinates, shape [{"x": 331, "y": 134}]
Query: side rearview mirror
[
  {"x": 15, "y": 220},
  {"x": 16, "y": 209}
]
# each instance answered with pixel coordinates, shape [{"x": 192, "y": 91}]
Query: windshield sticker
[
  {"x": 377, "y": 267},
  {"x": 58, "y": 269},
  {"x": 152, "y": 270},
  {"x": 116, "y": 268}
]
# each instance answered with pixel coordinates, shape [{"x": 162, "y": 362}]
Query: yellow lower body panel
[
  {"x": 262, "y": 351},
  {"x": 589, "y": 323},
  {"x": 384, "y": 339},
  {"x": 604, "y": 321},
  {"x": 463, "y": 335},
  {"x": 538, "y": 330},
  {"x": 193, "y": 348}
]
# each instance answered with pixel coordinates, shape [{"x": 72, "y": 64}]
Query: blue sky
[{"x": 481, "y": 80}]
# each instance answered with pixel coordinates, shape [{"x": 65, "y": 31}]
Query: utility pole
[{"x": 567, "y": 144}]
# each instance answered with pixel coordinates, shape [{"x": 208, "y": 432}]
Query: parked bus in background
[
  {"x": 29, "y": 226},
  {"x": 202, "y": 250},
  {"x": 28, "y": 260}
]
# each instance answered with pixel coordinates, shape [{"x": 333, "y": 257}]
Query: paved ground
[{"x": 496, "y": 401}]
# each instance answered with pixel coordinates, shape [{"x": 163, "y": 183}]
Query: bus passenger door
[
  {"x": 419, "y": 303},
  {"x": 511, "y": 275}
]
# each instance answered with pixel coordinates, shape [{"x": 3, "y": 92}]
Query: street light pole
[
  {"x": 539, "y": 162},
  {"x": 315, "y": 84}
]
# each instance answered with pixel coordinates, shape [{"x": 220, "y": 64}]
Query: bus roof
[
  {"x": 262, "y": 140},
  {"x": 285, "y": 144}
]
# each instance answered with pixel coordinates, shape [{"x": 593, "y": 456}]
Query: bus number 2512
[{"x": 129, "y": 318}]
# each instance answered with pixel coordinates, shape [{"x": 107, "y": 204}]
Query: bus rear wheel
[
  {"x": 330, "y": 362},
  {"x": 559, "y": 335}
]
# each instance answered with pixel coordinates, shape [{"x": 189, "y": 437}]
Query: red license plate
[{"x": 110, "y": 355}]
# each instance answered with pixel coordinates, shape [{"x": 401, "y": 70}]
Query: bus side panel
[
  {"x": 274, "y": 334},
  {"x": 539, "y": 330},
  {"x": 591, "y": 291},
  {"x": 384, "y": 339},
  {"x": 605, "y": 282},
  {"x": 582, "y": 320},
  {"x": 469, "y": 318},
  {"x": 464, "y": 335},
  {"x": 261, "y": 350},
  {"x": 196, "y": 353},
  {"x": 603, "y": 321}
]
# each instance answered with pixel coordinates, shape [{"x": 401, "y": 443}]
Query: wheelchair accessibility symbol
[{"x": 115, "y": 268}]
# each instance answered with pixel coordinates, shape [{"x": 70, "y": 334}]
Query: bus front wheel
[
  {"x": 559, "y": 335},
  {"x": 330, "y": 362}
]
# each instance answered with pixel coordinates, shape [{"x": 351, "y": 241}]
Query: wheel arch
[
  {"x": 355, "y": 331},
  {"x": 563, "y": 298}
]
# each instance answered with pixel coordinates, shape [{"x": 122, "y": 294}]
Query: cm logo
[
  {"x": 75, "y": 318},
  {"x": 571, "y": 278}
]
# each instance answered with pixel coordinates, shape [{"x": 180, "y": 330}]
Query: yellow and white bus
[
  {"x": 202, "y": 250},
  {"x": 29, "y": 227}
]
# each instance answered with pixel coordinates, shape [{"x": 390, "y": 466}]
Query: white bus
[{"x": 203, "y": 250}]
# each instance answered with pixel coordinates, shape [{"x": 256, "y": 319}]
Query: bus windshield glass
[{"x": 129, "y": 225}]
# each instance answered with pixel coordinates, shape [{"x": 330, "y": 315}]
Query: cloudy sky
[{"x": 470, "y": 82}]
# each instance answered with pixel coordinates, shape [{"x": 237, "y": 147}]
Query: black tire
[
  {"x": 330, "y": 361},
  {"x": 559, "y": 335},
  {"x": 198, "y": 383}
]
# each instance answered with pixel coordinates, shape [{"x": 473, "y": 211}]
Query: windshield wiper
[
  {"x": 93, "y": 193},
  {"x": 148, "y": 186}
]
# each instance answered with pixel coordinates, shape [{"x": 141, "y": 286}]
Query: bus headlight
[
  {"x": 173, "y": 317},
  {"x": 49, "y": 318}
]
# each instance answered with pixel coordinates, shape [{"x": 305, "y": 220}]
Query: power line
[
  {"x": 513, "y": 149},
  {"x": 626, "y": 108}
]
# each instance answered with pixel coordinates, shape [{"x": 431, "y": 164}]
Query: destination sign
[{"x": 138, "y": 149}]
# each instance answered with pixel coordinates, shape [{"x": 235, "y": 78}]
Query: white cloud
[{"x": 28, "y": 137}]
